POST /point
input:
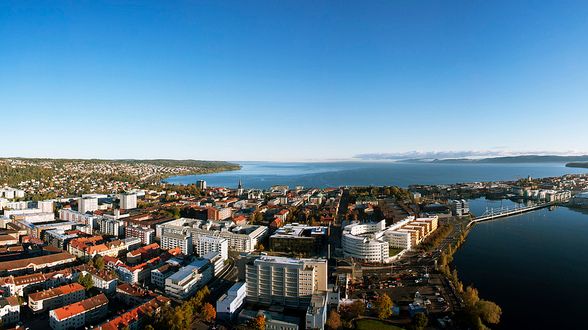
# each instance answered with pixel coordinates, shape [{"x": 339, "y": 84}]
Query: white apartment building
[
  {"x": 240, "y": 238},
  {"x": 128, "y": 201},
  {"x": 217, "y": 262},
  {"x": 285, "y": 281},
  {"x": 203, "y": 244},
  {"x": 170, "y": 240},
  {"x": 87, "y": 204},
  {"x": 229, "y": 303},
  {"x": 189, "y": 279}
]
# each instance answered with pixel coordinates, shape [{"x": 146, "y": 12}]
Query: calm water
[
  {"x": 535, "y": 266},
  {"x": 320, "y": 175}
]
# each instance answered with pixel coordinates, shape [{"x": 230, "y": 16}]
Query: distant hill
[
  {"x": 511, "y": 160},
  {"x": 581, "y": 165}
]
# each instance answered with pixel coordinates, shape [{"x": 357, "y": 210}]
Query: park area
[{"x": 367, "y": 324}]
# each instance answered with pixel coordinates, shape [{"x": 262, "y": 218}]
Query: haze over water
[{"x": 334, "y": 174}]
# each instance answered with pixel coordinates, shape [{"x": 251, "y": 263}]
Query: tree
[
  {"x": 334, "y": 320},
  {"x": 489, "y": 312},
  {"x": 149, "y": 327},
  {"x": 99, "y": 262},
  {"x": 86, "y": 281},
  {"x": 208, "y": 312},
  {"x": 258, "y": 323},
  {"x": 420, "y": 321},
  {"x": 384, "y": 306},
  {"x": 470, "y": 297},
  {"x": 260, "y": 247},
  {"x": 357, "y": 308}
]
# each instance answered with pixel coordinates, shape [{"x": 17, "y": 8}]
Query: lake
[
  {"x": 262, "y": 175},
  {"x": 533, "y": 265}
]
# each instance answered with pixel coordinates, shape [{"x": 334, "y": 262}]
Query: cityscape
[{"x": 293, "y": 165}]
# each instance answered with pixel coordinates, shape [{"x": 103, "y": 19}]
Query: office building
[{"x": 285, "y": 281}]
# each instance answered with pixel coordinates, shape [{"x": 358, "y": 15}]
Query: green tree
[
  {"x": 86, "y": 281},
  {"x": 384, "y": 306},
  {"x": 99, "y": 262},
  {"x": 334, "y": 320}
]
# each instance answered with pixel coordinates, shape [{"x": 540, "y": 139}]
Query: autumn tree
[
  {"x": 488, "y": 311},
  {"x": 357, "y": 308},
  {"x": 208, "y": 312},
  {"x": 470, "y": 297},
  {"x": 334, "y": 320},
  {"x": 384, "y": 306},
  {"x": 258, "y": 323}
]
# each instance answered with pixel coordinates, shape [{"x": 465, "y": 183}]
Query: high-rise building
[
  {"x": 146, "y": 234},
  {"x": 285, "y": 281},
  {"x": 87, "y": 204},
  {"x": 128, "y": 201},
  {"x": 170, "y": 240},
  {"x": 460, "y": 207},
  {"x": 112, "y": 227},
  {"x": 201, "y": 184},
  {"x": 204, "y": 244}
]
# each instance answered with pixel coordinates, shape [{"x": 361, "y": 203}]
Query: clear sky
[{"x": 291, "y": 80}]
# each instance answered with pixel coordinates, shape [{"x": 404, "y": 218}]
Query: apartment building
[
  {"x": 78, "y": 314},
  {"x": 185, "y": 282},
  {"x": 56, "y": 297}
]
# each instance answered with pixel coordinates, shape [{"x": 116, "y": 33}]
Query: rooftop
[{"x": 80, "y": 307}]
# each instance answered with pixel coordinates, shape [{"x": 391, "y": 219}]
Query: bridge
[{"x": 492, "y": 214}]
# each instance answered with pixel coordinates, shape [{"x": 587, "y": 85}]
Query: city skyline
[{"x": 292, "y": 81}]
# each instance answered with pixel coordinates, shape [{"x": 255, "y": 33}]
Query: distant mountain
[{"x": 510, "y": 160}]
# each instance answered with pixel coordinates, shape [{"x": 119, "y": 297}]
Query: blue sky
[{"x": 291, "y": 80}]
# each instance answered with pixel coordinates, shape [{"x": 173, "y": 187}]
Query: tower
[{"x": 240, "y": 188}]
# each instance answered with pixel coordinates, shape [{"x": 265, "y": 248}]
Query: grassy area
[
  {"x": 374, "y": 324},
  {"x": 394, "y": 251}
]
